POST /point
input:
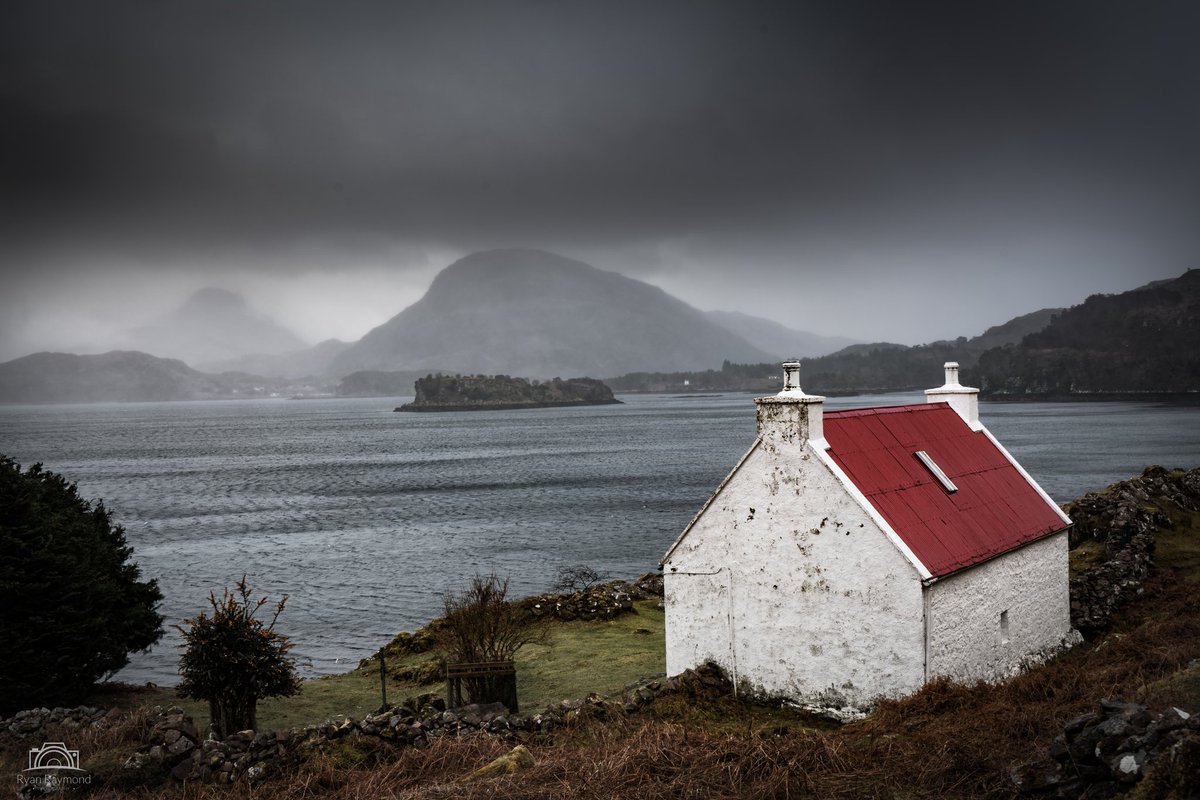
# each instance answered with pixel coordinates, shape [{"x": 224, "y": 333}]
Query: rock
[
  {"x": 1102, "y": 755},
  {"x": 1036, "y": 777},
  {"x": 1127, "y": 767},
  {"x": 515, "y": 760}
]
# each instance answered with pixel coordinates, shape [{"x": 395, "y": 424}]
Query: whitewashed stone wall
[
  {"x": 787, "y": 583},
  {"x": 967, "y": 639}
]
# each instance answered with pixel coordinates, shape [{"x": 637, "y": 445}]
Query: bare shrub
[
  {"x": 577, "y": 578},
  {"x": 481, "y": 626}
]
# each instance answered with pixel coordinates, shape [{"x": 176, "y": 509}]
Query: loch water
[{"x": 366, "y": 517}]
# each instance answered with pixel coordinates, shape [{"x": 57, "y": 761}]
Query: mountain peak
[
  {"x": 537, "y": 314},
  {"x": 213, "y": 325},
  {"x": 213, "y": 299}
]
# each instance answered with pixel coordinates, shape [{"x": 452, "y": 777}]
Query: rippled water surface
[{"x": 365, "y": 517}]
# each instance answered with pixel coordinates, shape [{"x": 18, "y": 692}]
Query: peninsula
[{"x": 497, "y": 392}]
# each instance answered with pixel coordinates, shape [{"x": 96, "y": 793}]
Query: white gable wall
[
  {"x": 803, "y": 597},
  {"x": 967, "y": 639}
]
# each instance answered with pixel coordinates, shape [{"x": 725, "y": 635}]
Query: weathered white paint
[
  {"x": 787, "y": 582},
  {"x": 965, "y": 639},
  {"x": 822, "y": 449},
  {"x": 963, "y": 399}
]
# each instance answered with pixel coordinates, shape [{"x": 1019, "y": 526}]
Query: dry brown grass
[{"x": 945, "y": 741}]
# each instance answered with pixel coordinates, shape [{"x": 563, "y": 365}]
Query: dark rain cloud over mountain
[{"x": 868, "y": 160}]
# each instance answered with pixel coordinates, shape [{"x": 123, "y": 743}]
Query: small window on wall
[{"x": 1004, "y": 627}]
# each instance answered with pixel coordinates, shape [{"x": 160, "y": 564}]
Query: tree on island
[
  {"x": 233, "y": 659},
  {"x": 73, "y": 605}
]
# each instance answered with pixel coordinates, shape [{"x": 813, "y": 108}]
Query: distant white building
[{"x": 860, "y": 553}]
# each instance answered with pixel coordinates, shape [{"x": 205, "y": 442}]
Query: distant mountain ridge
[
  {"x": 489, "y": 306},
  {"x": 779, "y": 340},
  {"x": 1142, "y": 341},
  {"x": 212, "y": 325},
  {"x": 540, "y": 315},
  {"x": 117, "y": 376},
  {"x": 125, "y": 376},
  {"x": 858, "y": 368}
]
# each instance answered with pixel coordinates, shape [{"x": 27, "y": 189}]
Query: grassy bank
[{"x": 578, "y": 658}]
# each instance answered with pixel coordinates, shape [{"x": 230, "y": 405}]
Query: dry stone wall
[
  {"x": 1106, "y": 752},
  {"x": 1124, "y": 519},
  {"x": 175, "y": 751}
]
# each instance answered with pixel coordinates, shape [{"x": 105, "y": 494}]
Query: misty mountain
[
  {"x": 1144, "y": 340},
  {"x": 119, "y": 376},
  {"x": 213, "y": 325},
  {"x": 313, "y": 360},
  {"x": 536, "y": 314},
  {"x": 124, "y": 376},
  {"x": 781, "y": 341}
]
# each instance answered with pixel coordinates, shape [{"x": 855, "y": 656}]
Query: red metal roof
[{"x": 994, "y": 510}]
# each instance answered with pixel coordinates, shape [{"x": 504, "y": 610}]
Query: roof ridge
[{"x": 863, "y": 412}]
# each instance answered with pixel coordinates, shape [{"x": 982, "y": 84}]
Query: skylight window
[{"x": 932, "y": 466}]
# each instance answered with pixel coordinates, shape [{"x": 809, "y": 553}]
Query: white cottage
[{"x": 860, "y": 553}]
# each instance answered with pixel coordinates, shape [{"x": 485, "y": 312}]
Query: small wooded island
[{"x": 497, "y": 392}]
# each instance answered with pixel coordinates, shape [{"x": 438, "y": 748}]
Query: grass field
[{"x": 578, "y": 658}]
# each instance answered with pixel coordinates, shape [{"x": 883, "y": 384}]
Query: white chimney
[
  {"x": 963, "y": 399},
  {"x": 790, "y": 417}
]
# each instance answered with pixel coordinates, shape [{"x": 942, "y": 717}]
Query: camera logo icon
[{"x": 53, "y": 755}]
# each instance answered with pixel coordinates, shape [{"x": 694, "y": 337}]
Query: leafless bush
[
  {"x": 481, "y": 625},
  {"x": 577, "y": 578}
]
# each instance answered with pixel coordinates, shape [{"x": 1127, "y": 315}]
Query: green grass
[
  {"x": 1086, "y": 556},
  {"x": 584, "y": 657},
  {"x": 578, "y": 658},
  {"x": 1179, "y": 547}
]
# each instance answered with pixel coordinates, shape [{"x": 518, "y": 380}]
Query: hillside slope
[
  {"x": 539, "y": 315},
  {"x": 1144, "y": 340},
  {"x": 778, "y": 340},
  {"x": 857, "y": 368},
  {"x": 118, "y": 376},
  {"x": 212, "y": 325}
]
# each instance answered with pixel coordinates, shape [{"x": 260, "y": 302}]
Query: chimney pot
[
  {"x": 791, "y": 377},
  {"x": 951, "y": 368}
]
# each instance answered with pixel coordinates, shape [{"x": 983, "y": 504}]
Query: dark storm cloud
[{"x": 770, "y": 136}]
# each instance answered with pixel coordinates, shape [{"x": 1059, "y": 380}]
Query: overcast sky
[{"x": 890, "y": 171}]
